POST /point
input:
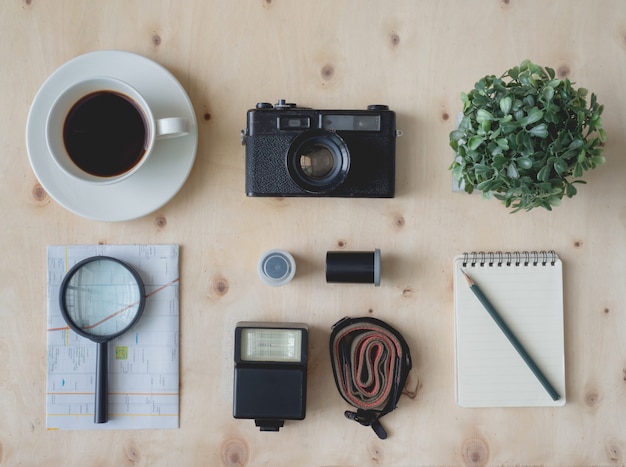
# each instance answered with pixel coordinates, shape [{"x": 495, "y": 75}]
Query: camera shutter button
[
  {"x": 283, "y": 104},
  {"x": 264, "y": 105},
  {"x": 377, "y": 107}
]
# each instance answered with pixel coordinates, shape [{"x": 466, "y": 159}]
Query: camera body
[{"x": 297, "y": 151}]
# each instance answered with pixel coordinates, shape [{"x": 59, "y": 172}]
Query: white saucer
[{"x": 161, "y": 176}]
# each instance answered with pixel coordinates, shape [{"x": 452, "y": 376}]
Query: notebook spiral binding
[{"x": 517, "y": 258}]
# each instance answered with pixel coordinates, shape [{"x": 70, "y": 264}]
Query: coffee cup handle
[{"x": 171, "y": 127}]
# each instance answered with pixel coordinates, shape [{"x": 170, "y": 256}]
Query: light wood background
[{"x": 415, "y": 56}]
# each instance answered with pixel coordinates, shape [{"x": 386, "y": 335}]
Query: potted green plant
[{"x": 526, "y": 137}]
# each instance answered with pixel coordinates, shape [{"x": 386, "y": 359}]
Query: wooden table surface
[{"x": 415, "y": 56}]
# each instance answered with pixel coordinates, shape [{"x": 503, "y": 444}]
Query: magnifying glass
[{"x": 100, "y": 299}]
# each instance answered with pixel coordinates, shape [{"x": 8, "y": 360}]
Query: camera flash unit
[{"x": 270, "y": 373}]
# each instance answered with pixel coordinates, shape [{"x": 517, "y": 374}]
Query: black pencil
[{"x": 511, "y": 337}]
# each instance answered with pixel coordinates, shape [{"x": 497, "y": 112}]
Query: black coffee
[{"x": 105, "y": 134}]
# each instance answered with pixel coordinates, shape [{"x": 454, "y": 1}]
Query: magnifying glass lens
[{"x": 102, "y": 297}]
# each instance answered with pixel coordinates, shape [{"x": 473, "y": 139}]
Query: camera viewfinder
[{"x": 350, "y": 122}]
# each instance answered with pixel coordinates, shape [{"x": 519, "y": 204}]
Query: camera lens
[{"x": 318, "y": 161}]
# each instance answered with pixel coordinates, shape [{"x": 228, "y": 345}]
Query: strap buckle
[{"x": 367, "y": 418}]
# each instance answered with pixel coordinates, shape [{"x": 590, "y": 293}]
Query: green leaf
[
  {"x": 602, "y": 134},
  {"x": 457, "y": 173},
  {"x": 474, "y": 142},
  {"x": 547, "y": 93},
  {"x": 551, "y": 72},
  {"x": 598, "y": 160},
  {"x": 499, "y": 161},
  {"x": 505, "y": 105},
  {"x": 482, "y": 115},
  {"x": 554, "y": 201},
  {"x": 524, "y": 78},
  {"x": 456, "y": 135},
  {"x": 541, "y": 130},
  {"x": 484, "y": 186},
  {"x": 560, "y": 166},
  {"x": 577, "y": 143},
  {"x": 534, "y": 116},
  {"x": 503, "y": 143},
  {"x": 511, "y": 171},
  {"x": 578, "y": 170},
  {"x": 482, "y": 169},
  {"x": 544, "y": 174},
  {"x": 466, "y": 102},
  {"x": 525, "y": 163}
]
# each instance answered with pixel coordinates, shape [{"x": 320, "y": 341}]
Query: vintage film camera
[{"x": 296, "y": 151}]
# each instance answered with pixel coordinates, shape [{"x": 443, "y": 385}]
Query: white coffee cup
[{"x": 101, "y": 130}]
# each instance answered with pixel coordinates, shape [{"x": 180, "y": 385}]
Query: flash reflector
[
  {"x": 270, "y": 373},
  {"x": 271, "y": 345}
]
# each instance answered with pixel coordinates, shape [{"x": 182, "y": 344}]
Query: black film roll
[{"x": 362, "y": 267}]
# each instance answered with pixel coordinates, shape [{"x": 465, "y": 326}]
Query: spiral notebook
[{"x": 526, "y": 289}]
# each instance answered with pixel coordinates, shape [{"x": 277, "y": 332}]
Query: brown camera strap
[{"x": 371, "y": 362}]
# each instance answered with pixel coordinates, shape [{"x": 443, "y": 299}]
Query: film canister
[
  {"x": 361, "y": 267},
  {"x": 276, "y": 267}
]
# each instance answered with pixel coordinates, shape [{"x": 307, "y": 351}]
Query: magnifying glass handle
[{"x": 101, "y": 411}]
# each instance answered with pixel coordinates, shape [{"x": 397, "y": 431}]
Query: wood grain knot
[
  {"x": 606, "y": 311},
  {"x": 394, "y": 39},
  {"x": 591, "y": 398},
  {"x": 563, "y": 71},
  {"x": 408, "y": 292},
  {"x": 614, "y": 451},
  {"x": 328, "y": 71},
  {"x": 132, "y": 453},
  {"x": 445, "y": 116},
  {"x": 506, "y": 2},
  {"x": 341, "y": 243},
  {"x": 280, "y": 201},
  {"x": 624, "y": 373},
  {"x": 399, "y": 221},
  {"x": 376, "y": 451},
  {"x": 219, "y": 286},
  {"x": 160, "y": 222},
  {"x": 27, "y": 2},
  {"x": 475, "y": 452},
  {"x": 235, "y": 453},
  {"x": 206, "y": 116},
  {"x": 370, "y": 311},
  {"x": 39, "y": 194},
  {"x": 156, "y": 40},
  {"x": 578, "y": 243}
]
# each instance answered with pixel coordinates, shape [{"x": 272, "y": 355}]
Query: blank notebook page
[{"x": 528, "y": 295}]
